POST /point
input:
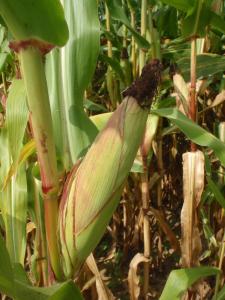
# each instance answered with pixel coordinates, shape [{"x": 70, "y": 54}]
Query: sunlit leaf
[
  {"x": 180, "y": 280},
  {"x": 194, "y": 132},
  {"x": 117, "y": 12},
  {"x": 16, "y": 117},
  {"x": 39, "y": 20}
]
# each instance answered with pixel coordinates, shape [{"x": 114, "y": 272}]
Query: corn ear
[{"x": 93, "y": 188}]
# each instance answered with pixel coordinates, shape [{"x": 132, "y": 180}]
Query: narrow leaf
[
  {"x": 207, "y": 65},
  {"x": 117, "y": 12},
  {"x": 194, "y": 132},
  {"x": 16, "y": 117},
  {"x": 216, "y": 192},
  {"x": 180, "y": 280},
  {"x": 133, "y": 278}
]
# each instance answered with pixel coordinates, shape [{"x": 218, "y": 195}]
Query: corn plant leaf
[
  {"x": 117, "y": 12},
  {"x": 114, "y": 64},
  {"x": 3, "y": 60},
  {"x": 221, "y": 294},
  {"x": 103, "y": 291},
  {"x": 217, "y": 22},
  {"x": 39, "y": 20},
  {"x": 13, "y": 199},
  {"x": 133, "y": 278},
  {"x": 53, "y": 73},
  {"x": 92, "y": 106},
  {"x": 6, "y": 272},
  {"x": 16, "y": 117},
  {"x": 214, "y": 19},
  {"x": 180, "y": 4},
  {"x": 16, "y": 216},
  {"x": 14, "y": 283},
  {"x": 197, "y": 19},
  {"x": 181, "y": 89},
  {"x": 23, "y": 290},
  {"x": 207, "y": 65},
  {"x": 194, "y": 132},
  {"x": 27, "y": 150},
  {"x": 180, "y": 280},
  {"x": 216, "y": 192},
  {"x": 193, "y": 185},
  {"x": 76, "y": 65}
]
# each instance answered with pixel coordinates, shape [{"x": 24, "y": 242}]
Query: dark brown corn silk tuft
[{"x": 144, "y": 88}]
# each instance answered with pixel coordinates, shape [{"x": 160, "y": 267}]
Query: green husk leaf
[{"x": 107, "y": 164}]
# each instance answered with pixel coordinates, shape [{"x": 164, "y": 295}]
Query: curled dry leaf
[
  {"x": 193, "y": 182},
  {"x": 133, "y": 278},
  {"x": 103, "y": 291},
  {"x": 220, "y": 98},
  {"x": 182, "y": 93}
]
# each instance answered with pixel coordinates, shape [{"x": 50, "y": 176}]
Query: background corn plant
[{"x": 170, "y": 211}]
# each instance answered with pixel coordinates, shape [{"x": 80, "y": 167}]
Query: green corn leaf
[
  {"x": 13, "y": 198},
  {"x": 15, "y": 215},
  {"x": 114, "y": 64},
  {"x": 194, "y": 132},
  {"x": 197, "y": 19},
  {"x": 16, "y": 117},
  {"x": 15, "y": 284},
  {"x": 72, "y": 74},
  {"x": 6, "y": 271},
  {"x": 180, "y": 4},
  {"x": 207, "y": 65},
  {"x": 216, "y": 192},
  {"x": 64, "y": 291},
  {"x": 117, "y": 12},
  {"x": 217, "y": 22},
  {"x": 221, "y": 294},
  {"x": 55, "y": 89},
  {"x": 92, "y": 106},
  {"x": 40, "y": 20},
  {"x": 180, "y": 280},
  {"x": 206, "y": 16}
]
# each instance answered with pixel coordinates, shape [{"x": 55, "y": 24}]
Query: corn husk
[{"x": 93, "y": 188}]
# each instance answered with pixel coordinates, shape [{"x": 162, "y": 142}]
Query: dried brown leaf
[
  {"x": 103, "y": 291},
  {"x": 193, "y": 183},
  {"x": 133, "y": 278},
  {"x": 220, "y": 98},
  {"x": 182, "y": 93}
]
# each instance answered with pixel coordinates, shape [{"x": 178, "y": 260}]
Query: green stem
[
  {"x": 218, "y": 277},
  {"x": 38, "y": 102}
]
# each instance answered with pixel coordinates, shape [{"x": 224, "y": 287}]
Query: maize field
[{"x": 112, "y": 150}]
